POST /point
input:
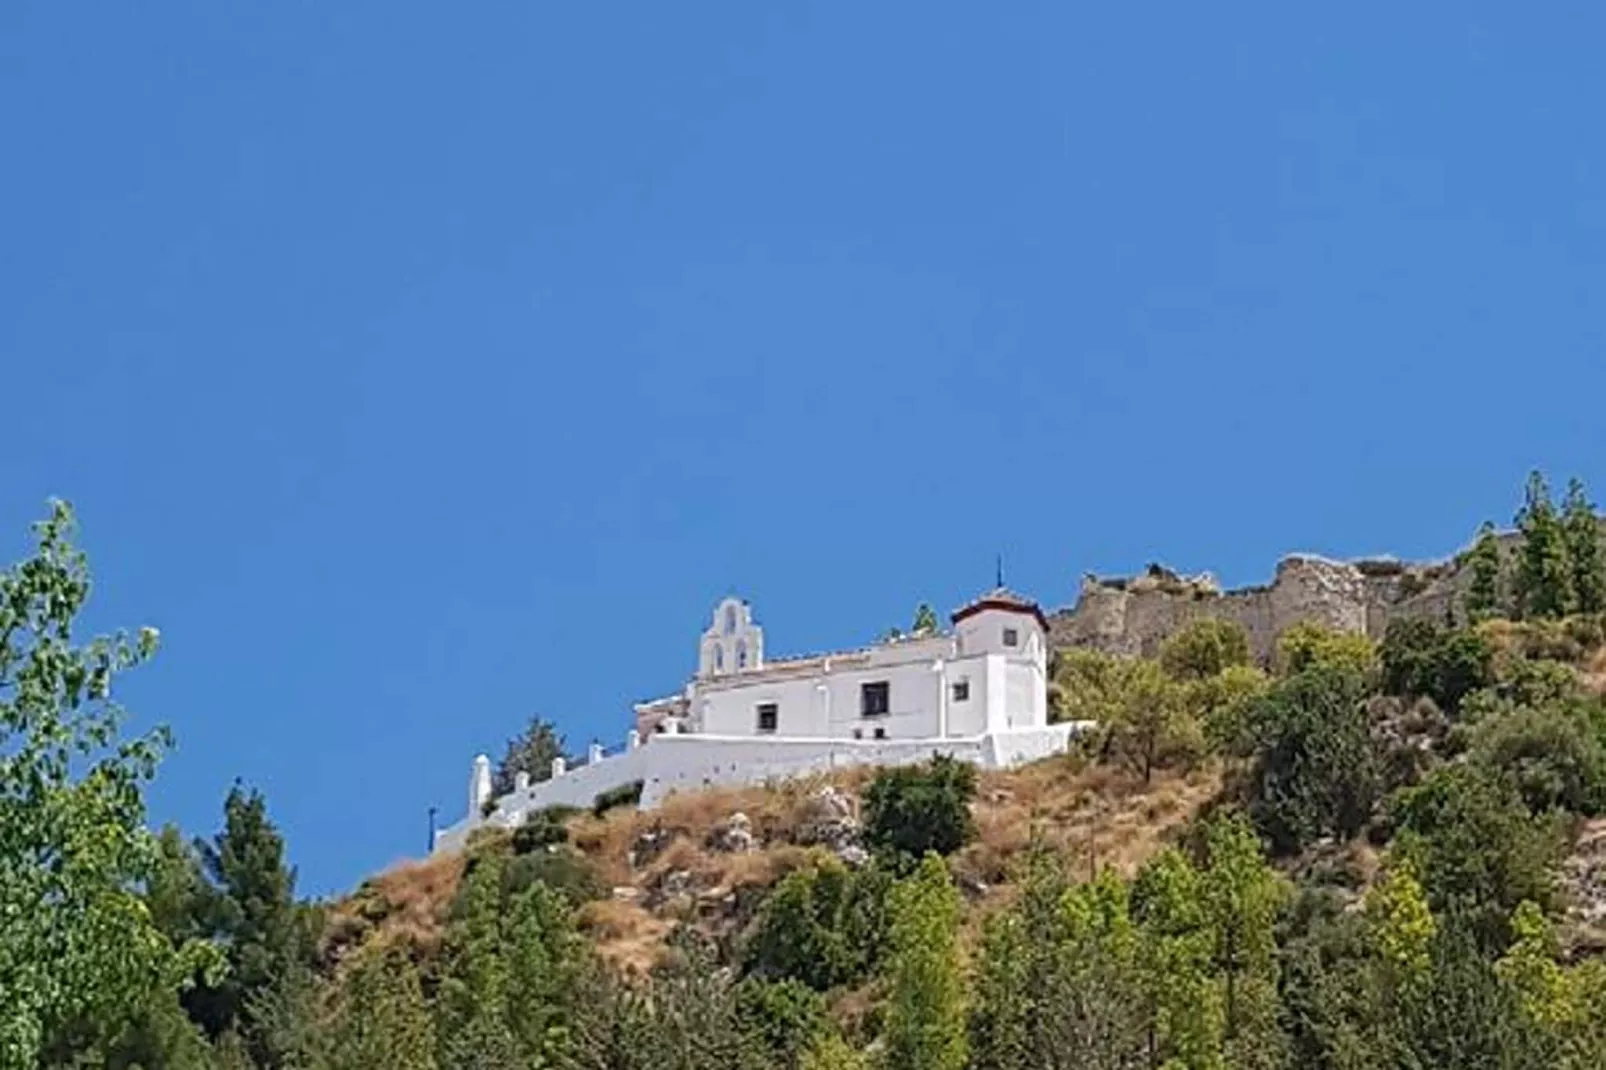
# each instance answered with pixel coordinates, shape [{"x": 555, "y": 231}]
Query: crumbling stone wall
[{"x": 1134, "y": 617}]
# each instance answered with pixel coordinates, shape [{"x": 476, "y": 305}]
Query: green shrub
[
  {"x": 1551, "y": 757},
  {"x": 822, "y": 926},
  {"x": 1204, "y": 648},
  {"x": 910, "y": 810},
  {"x": 787, "y": 1017},
  {"x": 563, "y": 869},
  {"x": 624, "y": 795},
  {"x": 543, "y": 828},
  {"x": 1420, "y": 657}
]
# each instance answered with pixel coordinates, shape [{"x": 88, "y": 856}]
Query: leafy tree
[
  {"x": 1203, "y": 648},
  {"x": 1544, "y": 579},
  {"x": 1222, "y": 704},
  {"x": 788, "y": 1018},
  {"x": 1477, "y": 849},
  {"x": 1482, "y": 599},
  {"x": 910, "y": 810},
  {"x": 694, "y": 1019},
  {"x": 822, "y": 925},
  {"x": 1184, "y": 1008},
  {"x": 1242, "y": 899},
  {"x": 1420, "y": 657},
  {"x": 378, "y": 1015},
  {"x": 925, "y": 622},
  {"x": 1150, "y": 724},
  {"x": 76, "y": 942},
  {"x": 1316, "y": 771},
  {"x": 832, "y": 1053},
  {"x": 1307, "y": 645},
  {"x": 1581, "y": 534},
  {"x": 530, "y": 752},
  {"x": 248, "y": 905},
  {"x": 925, "y": 1003}
]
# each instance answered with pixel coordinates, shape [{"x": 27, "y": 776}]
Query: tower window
[
  {"x": 719, "y": 658},
  {"x": 730, "y": 620},
  {"x": 961, "y": 690},
  {"x": 881, "y": 733},
  {"x": 741, "y": 654},
  {"x": 875, "y": 700},
  {"x": 769, "y": 715},
  {"x": 1011, "y": 637}
]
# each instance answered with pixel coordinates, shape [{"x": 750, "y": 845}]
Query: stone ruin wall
[{"x": 1135, "y": 616}]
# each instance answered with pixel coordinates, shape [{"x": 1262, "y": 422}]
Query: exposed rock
[
  {"x": 828, "y": 820},
  {"x": 675, "y": 883},
  {"x": 853, "y": 855},
  {"x": 1583, "y": 878},
  {"x": 733, "y": 835},
  {"x": 627, "y": 893},
  {"x": 648, "y": 845}
]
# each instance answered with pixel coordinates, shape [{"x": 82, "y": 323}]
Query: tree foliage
[
  {"x": 913, "y": 809},
  {"x": 1203, "y": 648},
  {"x": 77, "y": 943},
  {"x": 531, "y": 751},
  {"x": 925, "y": 1021}
]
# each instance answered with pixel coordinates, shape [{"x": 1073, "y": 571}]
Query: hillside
[{"x": 1343, "y": 850}]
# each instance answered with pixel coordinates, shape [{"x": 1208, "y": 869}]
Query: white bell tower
[{"x": 732, "y": 643}]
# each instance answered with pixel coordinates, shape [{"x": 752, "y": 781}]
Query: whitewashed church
[{"x": 977, "y": 692}]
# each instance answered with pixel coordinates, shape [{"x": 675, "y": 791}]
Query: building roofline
[{"x": 1001, "y": 598}]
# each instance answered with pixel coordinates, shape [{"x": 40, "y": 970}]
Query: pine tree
[
  {"x": 1483, "y": 592},
  {"x": 1544, "y": 582},
  {"x": 248, "y": 906},
  {"x": 926, "y": 1003},
  {"x": 1242, "y": 898},
  {"x": 531, "y": 752},
  {"x": 925, "y": 622},
  {"x": 1581, "y": 532}
]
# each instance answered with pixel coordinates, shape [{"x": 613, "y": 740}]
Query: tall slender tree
[
  {"x": 925, "y": 1027},
  {"x": 1544, "y": 583},
  {"x": 1483, "y": 592},
  {"x": 249, "y": 907},
  {"x": 1581, "y": 533}
]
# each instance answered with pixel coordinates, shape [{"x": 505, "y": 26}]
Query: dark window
[
  {"x": 769, "y": 715},
  {"x": 961, "y": 690},
  {"x": 881, "y": 733},
  {"x": 875, "y": 700},
  {"x": 1011, "y": 637},
  {"x": 858, "y": 733}
]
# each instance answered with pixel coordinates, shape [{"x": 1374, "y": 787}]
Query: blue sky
[{"x": 416, "y": 368}]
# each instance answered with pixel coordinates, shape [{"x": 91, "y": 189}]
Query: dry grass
[
  {"x": 624, "y": 933},
  {"x": 406, "y": 903},
  {"x": 1594, "y": 672},
  {"x": 1094, "y": 816}
]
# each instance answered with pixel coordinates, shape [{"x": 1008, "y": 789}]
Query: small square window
[
  {"x": 1011, "y": 637},
  {"x": 961, "y": 690},
  {"x": 769, "y": 715},
  {"x": 875, "y": 700},
  {"x": 858, "y": 733},
  {"x": 881, "y": 733}
]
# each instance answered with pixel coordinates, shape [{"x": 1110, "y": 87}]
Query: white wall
[{"x": 672, "y": 763}]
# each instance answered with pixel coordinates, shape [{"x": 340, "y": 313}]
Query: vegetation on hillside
[{"x": 1359, "y": 855}]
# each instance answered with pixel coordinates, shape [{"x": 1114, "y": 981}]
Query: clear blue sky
[{"x": 417, "y": 367}]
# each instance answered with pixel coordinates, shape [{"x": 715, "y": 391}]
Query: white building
[{"x": 977, "y": 692}]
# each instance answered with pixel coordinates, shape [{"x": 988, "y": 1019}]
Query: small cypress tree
[
  {"x": 1544, "y": 574},
  {"x": 1483, "y": 593},
  {"x": 926, "y": 1006},
  {"x": 1581, "y": 533}
]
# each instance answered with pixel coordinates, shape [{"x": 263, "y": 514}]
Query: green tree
[
  {"x": 532, "y": 752},
  {"x": 832, "y": 1053},
  {"x": 1307, "y": 645},
  {"x": 925, "y": 1013},
  {"x": 1581, "y": 534},
  {"x": 788, "y": 1018},
  {"x": 1420, "y": 657},
  {"x": 1478, "y": 851},
  {"x": 1551, "y": 756},
  {"x": 925, "y": 622},
  {"x": 910, "y": 810},
  {"x": 1185, "y": 1015},
  {"x": 1203, "y": 648},
  {"x": 248, "y": 906},
  {"x": 77, "y": 943},
  {"x": 1242, "y": 899},
  {"x": 822, "y": 925},
  {"x": 1150, "y": 724},
  {"x": 1316, "y": 771},
  {"x": 378, "y": 1016},
  {"x": 1544, "y": 580},
  {"x": 1482, "y": 599}
]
